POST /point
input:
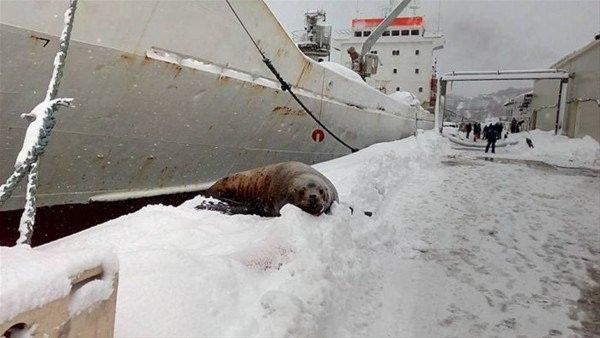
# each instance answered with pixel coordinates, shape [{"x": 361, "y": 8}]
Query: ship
[
  {"x": 405, "y": 52},
  {"x": 169, "y": 97}
]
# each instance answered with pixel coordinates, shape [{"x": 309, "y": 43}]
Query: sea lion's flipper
[{"x": 226, "y": 207}]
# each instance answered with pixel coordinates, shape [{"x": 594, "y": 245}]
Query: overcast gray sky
[{"x": 480, "y": 35}]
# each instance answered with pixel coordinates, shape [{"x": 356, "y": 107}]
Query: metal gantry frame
[{"x": 498, "y": 75}]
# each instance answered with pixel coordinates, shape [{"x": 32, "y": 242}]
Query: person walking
[
  {"x": 468, "y": 129},
  {"x": 476, "y": 131},
  {"x": 513, "y": 126},
  {"x": 499, "y": 126},
  {"x": 490, "y": 132},
  {"x": 485, "y": 131}
]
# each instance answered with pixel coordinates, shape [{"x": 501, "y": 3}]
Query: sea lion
[{"x": 264, "y": 191}]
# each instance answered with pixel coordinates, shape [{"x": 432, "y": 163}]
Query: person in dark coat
[
  {"x": 499, "y": 126},
  {"x": 520, "y": 125},
  {"x": 476, "y": 131},
  {"x": 490, "y": 132},
  {"x": 513, "y": 126},
  {"x": 468, "y": 129}
]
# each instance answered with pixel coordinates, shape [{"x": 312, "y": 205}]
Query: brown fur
[{"x": 266, "y": 190}]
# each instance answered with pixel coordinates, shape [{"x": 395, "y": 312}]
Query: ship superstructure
[{"x": 405, "y": 52}]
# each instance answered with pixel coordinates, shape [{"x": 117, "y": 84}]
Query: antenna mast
[{"x": 438, "y": 18}]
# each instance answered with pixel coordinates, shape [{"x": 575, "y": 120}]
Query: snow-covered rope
[
  {"x": 36, "y": 139},
  {"x": 38, "y": 132}
]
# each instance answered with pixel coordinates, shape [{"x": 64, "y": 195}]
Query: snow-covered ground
[
  {"x": 457, "y": 245},
  {"x": 552, "y": 149}
]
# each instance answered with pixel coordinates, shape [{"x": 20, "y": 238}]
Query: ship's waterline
[{"x": 143, "y": 125}]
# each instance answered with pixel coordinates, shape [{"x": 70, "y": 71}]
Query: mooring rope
[
  {"x": 285, "y": 86},
  {"x": 43, "y": 112}
]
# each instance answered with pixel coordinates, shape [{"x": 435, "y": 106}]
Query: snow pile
[
  {"x": 30, "y": 278},
  {"x": 454, "y": 246},
  {"x": 89, "y": 294},
  {"x": 461, "y": 139},
  {"x": 343, "y": 71},
  {"x": 187, "y": 272},
  {"x": 452, "y": 131},
  {"x": 556, "y": 149},
  {"x": 406, "y": 98}
]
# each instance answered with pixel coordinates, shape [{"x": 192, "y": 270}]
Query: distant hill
[{"x": 481, "y": 106}]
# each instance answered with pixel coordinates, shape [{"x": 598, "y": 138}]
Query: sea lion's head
[{"x": 310, "y": 193}]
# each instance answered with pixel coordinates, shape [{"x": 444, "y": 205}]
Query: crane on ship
[{"x": 365, "y": 63}]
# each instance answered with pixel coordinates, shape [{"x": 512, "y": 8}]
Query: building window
[
  {"x": 405, "y": 32},
  {"x": 358, "y": 33},
  {"x": 395, "y": 71},
  {"x": 373, "y": 52},
  {"x": 416, "y": 70},
  {"x": 366, "y": 33},
  {"x": 397, "y": 89},
  {"x": 395, "y": 33},
  {"x": 416, "y": 52},
  {"x": 414, "y": 32},
  {"x": 395, "y": 52},
  {"x": 420, "y": 89},
  {"x": 386, "y": 33}
]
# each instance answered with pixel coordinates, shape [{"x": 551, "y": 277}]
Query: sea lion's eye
[{"x": 321, "y": 191}]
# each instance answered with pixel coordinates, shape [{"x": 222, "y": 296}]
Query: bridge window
[
  {"x": 395, "y": 33},
  {"x": 416, "y": 52},
  {"x": 358, "y": 33},
  {"x": 414, "y": 32},
  {"x": 420, "y": 89},
  {"x": 397, "y": 89},
  {"x": 395, "y": 71},
  {"x": 416, "y": 70},
  {"x": 366, "y": 33},
  {"x": 395, "y": 52},
  {"x": 405, "y": 32},
  {"x": 386, "y": 33}
]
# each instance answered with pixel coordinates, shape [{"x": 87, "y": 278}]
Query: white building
[
  {"x": 519, "y": 106},
  {"x": 580, "y": 113},
  {"x": 405, "y": 54}
]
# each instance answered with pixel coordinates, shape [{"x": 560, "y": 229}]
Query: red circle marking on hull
[{"x": 318, "y": 135}]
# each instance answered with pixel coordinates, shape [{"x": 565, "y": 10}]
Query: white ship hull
[{"x": 171, "y": 96}]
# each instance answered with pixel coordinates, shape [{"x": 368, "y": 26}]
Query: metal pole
[
  {"x": 416, "y": 126},
  {"x": 443, "y": 113},
  {"x": 495, "y": 78},
  {"x": 560, "y": 90},
  {"x": 436, "y": 109},
  {"x": 439, "y": 109},
  {"x": 506, "y": 72},
  {"x": 376, "y": 34}
]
